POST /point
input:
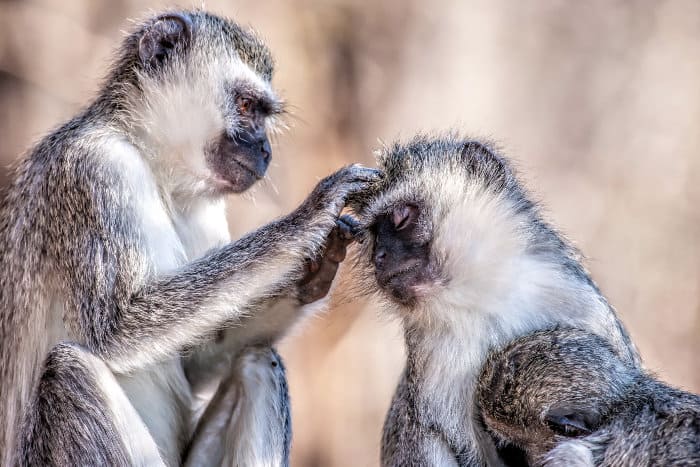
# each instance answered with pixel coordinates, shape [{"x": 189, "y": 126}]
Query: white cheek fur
[{"x": 180, "y": 117}]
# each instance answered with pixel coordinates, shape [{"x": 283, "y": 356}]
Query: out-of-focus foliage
[{"x": 599, "y": 102}]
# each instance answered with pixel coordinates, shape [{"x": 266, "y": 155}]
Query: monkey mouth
[
  {"x": 247, "y": 169},
  {"x": 236, "y": 179},
  {"x": 405, "y": 285},
  {"x": 386, "y": 279}
]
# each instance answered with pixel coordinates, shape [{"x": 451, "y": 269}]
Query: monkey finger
[
  {"x": 313, "y": 266},
  {"x": 348, "y": 227},
  {"x": 310, "y": 269},
  {"x": 336, "y": 249},
  {"x": 337, "y": 253},
  {"x": 357, "y": 173}
]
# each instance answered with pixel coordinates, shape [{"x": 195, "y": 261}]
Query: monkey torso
[
  {"x": 164, "y": 235},
  {"x": 442, "y": 368},
  {"x": 161, "y": 393}
]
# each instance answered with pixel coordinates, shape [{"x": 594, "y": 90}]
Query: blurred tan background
[{"x": 599, "y": 102}]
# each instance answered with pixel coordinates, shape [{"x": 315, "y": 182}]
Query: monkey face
[
  {"x": 241, "y": 155},
  {"x": 401, "y": 253},
  {"x": 428, "y": 216},
  {"x": 448, "y": 227},
  {"x": 206, "y": 102}
]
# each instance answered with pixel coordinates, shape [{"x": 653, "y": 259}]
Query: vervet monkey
[
  {"x": 458, "y": 252},
  {"x": 116, "y": 258}
]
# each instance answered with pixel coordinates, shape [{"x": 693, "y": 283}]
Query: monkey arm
[
  {"x": 169, "y": 313},
  {"x": 131, "y": 321}
]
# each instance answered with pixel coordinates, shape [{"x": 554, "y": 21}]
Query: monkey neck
[{"x": 441, "y": 375}]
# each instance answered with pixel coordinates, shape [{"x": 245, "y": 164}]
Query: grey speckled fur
[
  {"x": 78, "y": 264},
  {"x": 499, "y": 271},
  {"x": 633, "y": 418}
]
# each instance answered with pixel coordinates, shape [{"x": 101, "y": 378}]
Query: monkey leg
[
  {"x": 247, "y": 421},
  {"x": 80, "y": 416},
  {"x": 208, "y": 444}
]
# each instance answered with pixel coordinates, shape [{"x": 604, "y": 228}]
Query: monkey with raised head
[
  {"x": 122, "y": 298},
  {"x": 458, "y": 252},
  {"x": 565, "y": 397}
]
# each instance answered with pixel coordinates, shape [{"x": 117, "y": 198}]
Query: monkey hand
[
  {"x": 327, "y": 200},
  {"x": 320, "y": 271}
]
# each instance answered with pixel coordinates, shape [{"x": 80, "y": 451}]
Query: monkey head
[
  {"x": 441, "y": 224},
  {"x": 200, "y": 100},
  {"x": 549, "y": 387}
]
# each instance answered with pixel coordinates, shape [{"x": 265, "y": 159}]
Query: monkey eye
[
  {"x": 245, "y": 105},
  {"x": 403, "y": 216},
  {"x": 571, "y": 425}
]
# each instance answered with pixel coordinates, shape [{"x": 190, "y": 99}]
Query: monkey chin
[
  {"x": 235, "y": 181},
  {"x": 409, "y": 289}
]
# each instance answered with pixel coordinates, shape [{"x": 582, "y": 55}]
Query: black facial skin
[
  {"x": 240, "y": 159},
  {"x": 401, "y": 253}
]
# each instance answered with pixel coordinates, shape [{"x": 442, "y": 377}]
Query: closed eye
[
  {"x": 570, "y": 425},
  {"x": 404, "y": 216}
]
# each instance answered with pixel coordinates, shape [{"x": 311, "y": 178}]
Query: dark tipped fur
[
  {"x": 79, "y": 430},
  {"x": 212, "y": 30},
  {"x": 474, "y": 159},
  {"x": 565, "y": 396}
]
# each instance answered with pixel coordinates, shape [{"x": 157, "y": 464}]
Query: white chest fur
[
  {"x": 172, "y": 237},
  {"x": 452, "y": 352}
]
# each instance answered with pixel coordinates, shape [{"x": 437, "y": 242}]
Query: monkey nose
[
  {"x": 379, "y": 257},
  {"x": 265, "y": 149}
]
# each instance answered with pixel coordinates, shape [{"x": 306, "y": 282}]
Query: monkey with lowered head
[
  {"x": 118, "y": 270},
  {"x": 458, "y": 252},
  {"x": 565, "y": 397}
]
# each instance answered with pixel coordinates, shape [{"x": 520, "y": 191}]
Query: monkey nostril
[
  {"x": 379, "y": 257},
  {"x": 265, "y": 149}
]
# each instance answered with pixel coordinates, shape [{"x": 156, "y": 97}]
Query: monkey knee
[
  {"x": 261, "y": 365},
  {"x": 67, "y": 370},
  {"x": 66, "y": 357},
  {"x": 68, "y": 423}
]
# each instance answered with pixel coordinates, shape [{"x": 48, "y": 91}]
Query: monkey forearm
[{"x": 179, "y": 310}]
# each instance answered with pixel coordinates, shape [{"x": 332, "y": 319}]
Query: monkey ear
[
  {"x": 570, "y": 422},
  {"x": 476, "y": 153},
  {"x": 161, "y": 37},
  {"x": 482, "y": 159}
]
